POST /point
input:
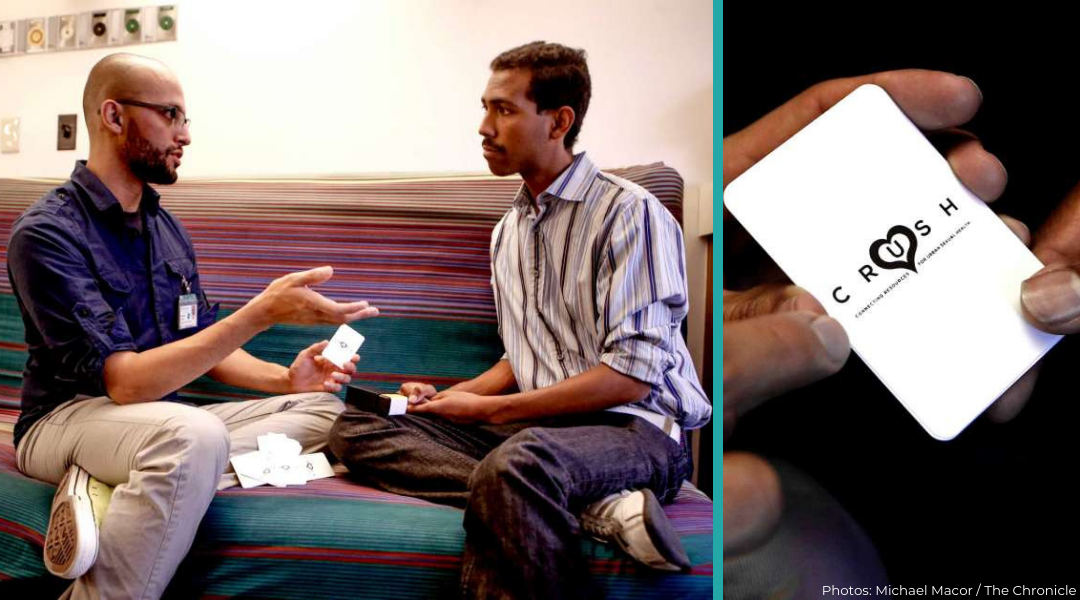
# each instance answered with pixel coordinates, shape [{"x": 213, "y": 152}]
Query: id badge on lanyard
[{"x": 187, "y": 307}]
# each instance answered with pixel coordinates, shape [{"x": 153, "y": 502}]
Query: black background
[{"x": 998, "y": 504}]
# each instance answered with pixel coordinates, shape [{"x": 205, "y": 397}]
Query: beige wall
[{"x": 353, "y": 87}]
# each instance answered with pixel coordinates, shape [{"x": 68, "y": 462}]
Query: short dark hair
[{"x": 559, "y": 77}]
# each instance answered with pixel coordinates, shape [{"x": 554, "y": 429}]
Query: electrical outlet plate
[
  {"x": 36, "y": 34},
  {"x": 63, "y": 32},
  {"x": 7, "y": 37},
  {"x": 165, "y": 24},
  {"x": 65, "y": 132},
  {"x": 9, "y": 135},
  {"x": 94, "y": 32},
  {"x": 131, "y": 30}
]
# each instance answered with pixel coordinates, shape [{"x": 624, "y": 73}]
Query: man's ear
[
  {"x": 563, "y": 120},
  {"x": 111, "y": 116}
]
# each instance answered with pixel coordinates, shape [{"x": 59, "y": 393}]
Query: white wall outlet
[
  {"x": 116, "y": 26},
  {"x": 9, "y": 135},
  {"x": 7, "y": 38},
  {"x": 63, "y": 30}
]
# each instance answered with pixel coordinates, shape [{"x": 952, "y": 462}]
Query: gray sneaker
[
  {"x": 71, "y": 544},
  {"x": 637, "y": 524}
]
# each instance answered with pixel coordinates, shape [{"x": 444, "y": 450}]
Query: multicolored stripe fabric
[{"x": 416, "y": 247}]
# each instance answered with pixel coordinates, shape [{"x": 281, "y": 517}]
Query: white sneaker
[
  {"x": 71, "y": 544},
  {"x": 637, "y": 524}
]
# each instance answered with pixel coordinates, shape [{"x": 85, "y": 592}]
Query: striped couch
[{"x": 418, "y": 249}]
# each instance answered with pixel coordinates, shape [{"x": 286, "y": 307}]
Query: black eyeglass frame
[{"x": 170, "y": 111}]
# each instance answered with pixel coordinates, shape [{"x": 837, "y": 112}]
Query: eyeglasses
[{"x": 175, "y": 114}]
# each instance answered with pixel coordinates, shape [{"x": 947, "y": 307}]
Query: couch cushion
[{"x": 418, "y": 249}]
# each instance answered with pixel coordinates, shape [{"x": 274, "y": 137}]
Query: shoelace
[{"x": 599, "y": 522}]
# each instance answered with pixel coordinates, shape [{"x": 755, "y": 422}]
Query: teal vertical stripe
[{"x": 718, "y": 275}]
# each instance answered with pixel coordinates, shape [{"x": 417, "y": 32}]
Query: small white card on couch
[{"x": 859, "y": 209}]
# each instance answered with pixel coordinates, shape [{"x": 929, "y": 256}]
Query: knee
[
  {"x": 326, "y": 403},
  {"x": 201, "y": 436},
  {"x": 348, "y": 431},
  {"x": 521, "y": 460}
]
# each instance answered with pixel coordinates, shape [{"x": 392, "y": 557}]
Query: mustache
[{"x": 489, "y": 145}]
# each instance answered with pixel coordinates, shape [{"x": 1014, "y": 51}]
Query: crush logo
[
  {"x": 896, "y": 251},
  {"x": 894, "y": 244}
]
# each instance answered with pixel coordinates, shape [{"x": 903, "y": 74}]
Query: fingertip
[
  {"x": 753, "y": 501},
  {"x": 833, "y": 338},
  {"x": 975, "y": 86},
  {"x": 1019, "y": 229}
]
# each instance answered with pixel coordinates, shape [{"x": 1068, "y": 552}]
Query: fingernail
[
  {"x": 833, "y": 337},
  {"x": 1052, "y": 297},
  {"x": 977, "y": 89}
]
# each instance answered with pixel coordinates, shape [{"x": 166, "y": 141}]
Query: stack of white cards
[
  {"x": 861, "y": 210},
  {"x": 278, "y": 462}
]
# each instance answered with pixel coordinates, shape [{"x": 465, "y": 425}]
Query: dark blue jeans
[{"x": 522, "y": 485}]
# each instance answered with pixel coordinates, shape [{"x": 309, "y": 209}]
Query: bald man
[{"x": 116, "y": 322}]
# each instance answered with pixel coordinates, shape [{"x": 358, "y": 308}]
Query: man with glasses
[{"x": 116, "y": 321}]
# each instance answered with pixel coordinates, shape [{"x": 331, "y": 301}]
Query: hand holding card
[
  {"x": 877, "y": 227},
  {"x": 343, "y": 346}
]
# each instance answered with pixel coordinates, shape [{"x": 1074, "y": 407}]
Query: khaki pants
[{"x": 166, "y": 460}]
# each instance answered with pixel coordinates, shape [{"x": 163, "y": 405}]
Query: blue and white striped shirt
[{"x": 597, "y": 275}]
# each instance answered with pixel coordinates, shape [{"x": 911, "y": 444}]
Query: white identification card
[
  {"x": 343, "y": 346},
  {"x": 860, "y": 210},
  {"x": 187, "y": 311}
]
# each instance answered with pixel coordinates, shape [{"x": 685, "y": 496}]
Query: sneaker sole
[
  {"x": 71, "y": 541},
  {"x": 667, "y": 542}
]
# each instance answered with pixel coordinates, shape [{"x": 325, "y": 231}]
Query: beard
[{"x": 147, "y": 162}]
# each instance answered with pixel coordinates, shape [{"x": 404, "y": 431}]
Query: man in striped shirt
[{"x": 586, "y": 407}]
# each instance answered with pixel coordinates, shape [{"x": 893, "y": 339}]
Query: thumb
[
  {"x": 767, "y": 299},
  {"x": 317, "y": 347},
  {"x": 1051, "y": 299},
  {"x": 313, "y": 276}
]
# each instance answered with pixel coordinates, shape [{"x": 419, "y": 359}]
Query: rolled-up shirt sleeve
[
  {"x": 641, "y": 292},
  {"x": 62, "y": 297}
]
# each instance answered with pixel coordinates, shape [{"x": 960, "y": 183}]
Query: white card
[
  {"x": 251, "y": 469},
  {"x": 315, "y": 466},
  {"x": 398, "y": 404},
  {"x": 859, "y": 209},
  {"x": 343, "y": 346}
]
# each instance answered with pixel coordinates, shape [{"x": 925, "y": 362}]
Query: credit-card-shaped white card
[
  {"x": 343, "y": 346},
  {"x": 860, "y": 210}
]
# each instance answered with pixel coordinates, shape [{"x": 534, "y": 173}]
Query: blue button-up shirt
[{"x": 90, "y": 282}]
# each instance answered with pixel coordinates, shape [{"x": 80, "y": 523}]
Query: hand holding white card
[
  {"x": 343, "y": 346},
  {"x": 859, "y": 209}
]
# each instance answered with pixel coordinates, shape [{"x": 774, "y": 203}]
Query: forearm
[
  {"x": 499, "y": 379},
  {"x": 243, "y": 370},
  {"x": 146, "y": 376},
  {"x": 597, "y": 389}
]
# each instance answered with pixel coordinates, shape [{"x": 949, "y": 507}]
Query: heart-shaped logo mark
[{"x": 894, "y": 250}]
